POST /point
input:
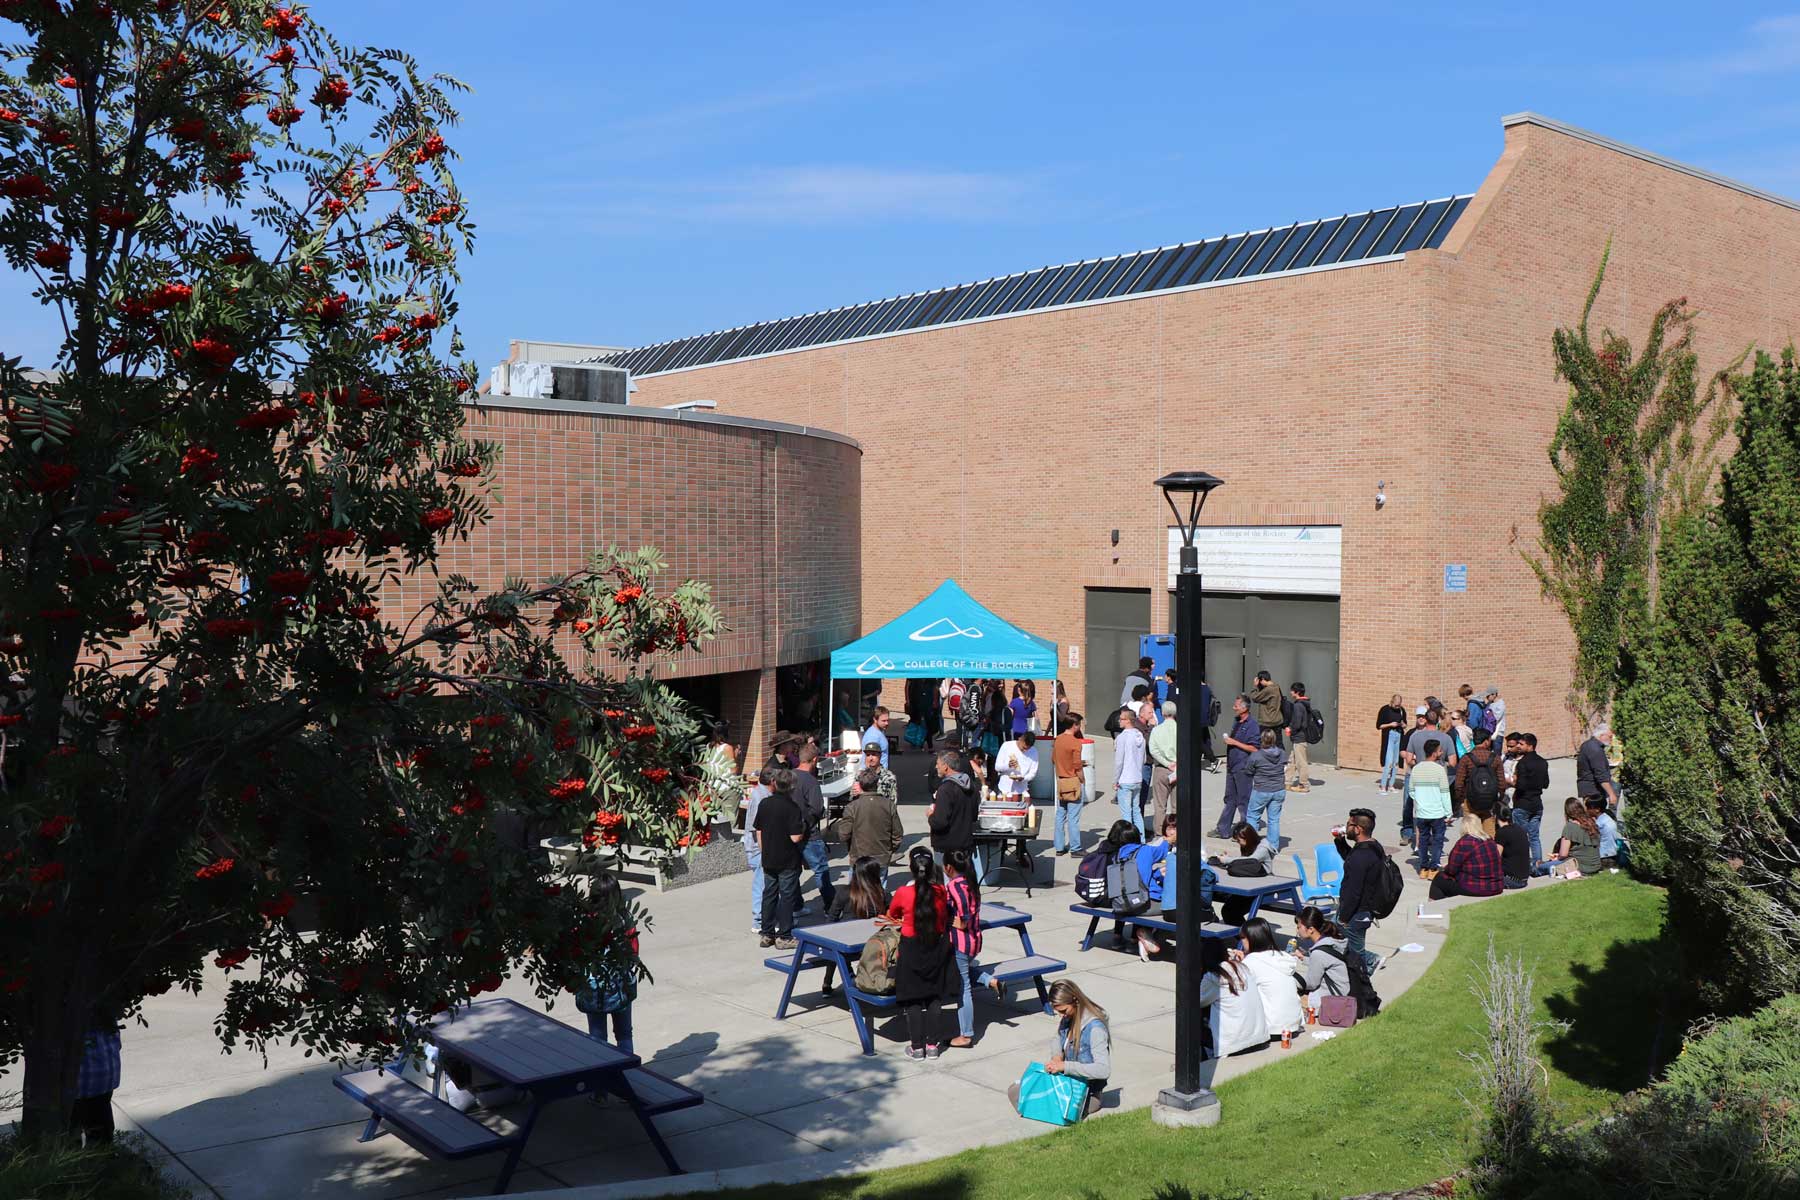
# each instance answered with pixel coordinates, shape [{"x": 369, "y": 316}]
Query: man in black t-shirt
[{"x": 780, "y": 830}]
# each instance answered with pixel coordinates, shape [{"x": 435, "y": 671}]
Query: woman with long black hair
[{"x": 924, "y": 975}]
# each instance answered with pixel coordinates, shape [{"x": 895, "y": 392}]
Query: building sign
[
  {"x": 1295, "y": 560},
  {"x": 1456, "y": 577}
]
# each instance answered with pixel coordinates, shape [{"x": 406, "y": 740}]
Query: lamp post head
[{"x": 1196, "y": 486}]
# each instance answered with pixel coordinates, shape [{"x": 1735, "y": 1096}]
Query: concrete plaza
[{"x": 784, "y": 1100}]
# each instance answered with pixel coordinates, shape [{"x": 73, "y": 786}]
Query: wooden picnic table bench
[
  {"x": 534, "y": 1053},
  {"x": 836, "y": 948}
]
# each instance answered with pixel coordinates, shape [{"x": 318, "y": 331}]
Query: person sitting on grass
[
  {"x": 1321, "y": 953},
  {"x": 1083, "y": 1047},
  {"x": 1515, "y": 849},
  {"x": 1608, "y": 831},
  {"x": 1234, "y": 1009},
  {"x": 1274, "y": 975},
  {"x": 1473, "y": 868},
  {"x": 1579, "y": 846}
]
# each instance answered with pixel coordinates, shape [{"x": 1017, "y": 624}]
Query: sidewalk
[{"x": 785, "y": 1100}]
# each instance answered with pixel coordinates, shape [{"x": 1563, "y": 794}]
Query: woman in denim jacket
[{"x": 1083, "y": 1047}]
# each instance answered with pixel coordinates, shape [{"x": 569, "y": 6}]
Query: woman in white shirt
[
  {"x": 1234, "y": 1009},
  {"x": 1274, "y": 975}
]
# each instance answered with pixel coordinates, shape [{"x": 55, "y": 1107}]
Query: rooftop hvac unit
[{"x": 590, "y": 383}]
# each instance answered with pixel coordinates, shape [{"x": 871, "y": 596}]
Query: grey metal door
[
  {"x": 1116, "y": 619},
  {"x": 1290, "y": 637}
]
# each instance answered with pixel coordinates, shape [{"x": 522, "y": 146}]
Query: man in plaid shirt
[{"x": 95, "y": 1083}]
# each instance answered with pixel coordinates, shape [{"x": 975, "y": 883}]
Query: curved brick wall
[{"x": 769, "y": 514}]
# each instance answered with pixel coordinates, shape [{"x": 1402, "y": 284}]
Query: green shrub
[
  {"x": 1724, "y": 1121},
  {"x": 60, "y": 1170}
]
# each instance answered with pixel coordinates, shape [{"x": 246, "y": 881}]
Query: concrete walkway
[{"x": 785, "y": 1100}]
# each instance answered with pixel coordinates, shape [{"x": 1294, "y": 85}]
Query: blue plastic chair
[{"x": 1327, "y": 874}]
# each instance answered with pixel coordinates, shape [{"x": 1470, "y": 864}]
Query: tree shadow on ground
[{"x": 1619, "y": 1015}]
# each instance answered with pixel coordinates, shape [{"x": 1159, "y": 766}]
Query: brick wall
[
  {"x": 1003, "y": 453},
  {"x": 768, "y": 517}
]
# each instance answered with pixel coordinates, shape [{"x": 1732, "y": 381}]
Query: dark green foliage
[
  {"x": 60, "y": 1171},
  {"x": 1708, "y": 717},
  {"x": 1723, "y": 1122},
  {"x": 1626, "y": 454}
]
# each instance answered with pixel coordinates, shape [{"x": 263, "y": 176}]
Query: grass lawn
[{"x": 1375, "y": 1109}]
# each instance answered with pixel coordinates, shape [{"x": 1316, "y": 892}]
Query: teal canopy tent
[{"x": 947, "y": 634}]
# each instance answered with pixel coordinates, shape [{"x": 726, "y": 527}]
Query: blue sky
[{"x": 645, "y": 171}]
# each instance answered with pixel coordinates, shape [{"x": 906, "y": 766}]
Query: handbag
[
  {"x": 1052, "y": 1099},
  {"x": 1337, "y": 1012},
  {"x": 1068, "y": 790}
]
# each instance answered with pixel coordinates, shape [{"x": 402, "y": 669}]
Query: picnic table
[
  {"x": 1148, "y": 919},
  {"x": 1261, "y": 890},
  {"x": 836, "y": 948},
  {"x": 534, "y": 1053}
]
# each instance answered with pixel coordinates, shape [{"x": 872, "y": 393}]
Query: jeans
[
  {"x": 1131, "y": 805},
  {"x": 1390, "y": 760},
  {"x": 781, "y": 896},
  {"x": 621, "y": 1025},
  {"x": 1269, "y": 804},
  {"x": 1431, "y": 842},
  {"x": 1237, "y": 801},
  {"x": 1530, "y": 824},
  {"x": 1356, "y": 932},
  {"x": 1067, "y": 835},
  {"x": 971, "y": 974},
  {"x": 753, "y": 855},
  {"x": 817, "y": 855}
]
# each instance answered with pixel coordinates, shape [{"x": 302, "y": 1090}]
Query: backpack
[
  {"x": 1484, "y": 782},
  {"x": 1477, "y": 713},
  {"x": 1489, "y": 721},
  {"x": 875, "y": 965},
  {"x": 1368, "y": 1003},
  {"x": 1213, "y": 710},
  {"x": 956, "y": 695},
  {"x": 1090, "y": 876},
  {"x": 1125, "y": 884},
  {"x": 1383, "y": 894},
  {"x": 1242, "y": 868},
  {"x": 1111, "y": 724},
  {"x": 1315, "y": 725}
]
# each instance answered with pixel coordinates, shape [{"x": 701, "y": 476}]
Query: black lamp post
[{"x": 1187, "y": 1103}]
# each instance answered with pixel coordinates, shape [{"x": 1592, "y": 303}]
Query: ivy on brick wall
[{"x": 1637, "y": 444}]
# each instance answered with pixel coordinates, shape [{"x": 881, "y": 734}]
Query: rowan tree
[{"x": 217, "y": 745}]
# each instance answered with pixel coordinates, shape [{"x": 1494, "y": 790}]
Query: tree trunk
[{"x": 53, "y": 1039}]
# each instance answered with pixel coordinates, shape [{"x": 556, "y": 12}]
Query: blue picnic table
[
  {"x": 836, "y": 947},
  {"x": 531, "y": 1051},
  {"x": 1262, "y": 890}
]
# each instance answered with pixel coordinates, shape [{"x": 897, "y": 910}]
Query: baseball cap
[{"x": 1420, "y": 711}]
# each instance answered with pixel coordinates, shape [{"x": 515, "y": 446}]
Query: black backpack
[
  {"x": 1111, "y": 724},
  {"x": 1484, "y": 782},
  {"x": 1126, "y": 884},
  {"x": 1368, "y": 1003},
  {"x": 1382, "y": 895},
  {"x": 1315, "y": 725},
  {"x": 1213, "y": 710},
  {"x": 1090, "y": 876}
]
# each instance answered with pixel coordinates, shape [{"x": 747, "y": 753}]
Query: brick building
[
  {"x": 767, "y": 513},
  {"x": 1406, "y": 349}
]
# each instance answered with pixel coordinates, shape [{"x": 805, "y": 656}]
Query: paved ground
[{"x": 784, "y": 1099}]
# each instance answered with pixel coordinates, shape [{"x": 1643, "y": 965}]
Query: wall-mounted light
[
  {"x": 1115, "y": 537},
  {"x": 1381, "y": 494}
]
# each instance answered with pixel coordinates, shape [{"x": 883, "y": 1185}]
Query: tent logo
[
  {"x": 873, "y": 665},
  {"x": 943, "y": 629}
]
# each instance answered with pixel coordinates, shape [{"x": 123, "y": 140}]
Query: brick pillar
[{"x": 748, "y": 698}]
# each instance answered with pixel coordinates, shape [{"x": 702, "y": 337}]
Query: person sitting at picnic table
[
  {"x": 1083, "y": 1048},
  {"x": 925, "y": 974},
  {"x": 1579, "y": 845},
  {"x": 1234, "y": 1009},
  {"x": 864, "y": 895},
  {"x": 1274, "y": 974},
  {"x": 612, "y": 980},
  {"x": 870, "y": 826},
  {"x": 963, "y": 888},
  {"x": 1473, "y": 868},
  {"x": 1153, "y": 861},
  {"x": 1256, "y": 855},
  {"x": 1321, "y": 953}
]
